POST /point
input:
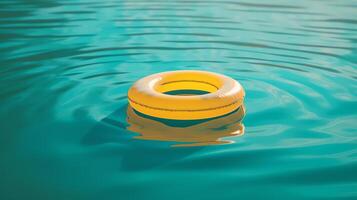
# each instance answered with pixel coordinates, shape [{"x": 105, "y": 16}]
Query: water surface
[{"x": 66, "y": 67}]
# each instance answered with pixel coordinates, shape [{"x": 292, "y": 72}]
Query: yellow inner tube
[{"x": 148, "y": 96}]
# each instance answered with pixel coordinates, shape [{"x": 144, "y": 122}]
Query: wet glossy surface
[{"x": 66, "y": 67}]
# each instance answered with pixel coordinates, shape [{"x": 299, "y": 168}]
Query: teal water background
[{"x": 66, "y": 67}]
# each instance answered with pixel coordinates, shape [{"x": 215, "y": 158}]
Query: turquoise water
[{"x": 66, "y": 67}]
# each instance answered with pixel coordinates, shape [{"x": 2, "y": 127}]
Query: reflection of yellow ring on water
[
  {"x": 148, "y": 96},
  {"x": 209, "y": 132}
]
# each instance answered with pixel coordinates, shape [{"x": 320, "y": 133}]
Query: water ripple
[{"x": 66, "y": 67}]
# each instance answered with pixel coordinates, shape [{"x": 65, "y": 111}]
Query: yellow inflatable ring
[{"x": 148, "y": 96}]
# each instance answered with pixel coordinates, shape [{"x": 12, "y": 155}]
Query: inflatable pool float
[{"x": 149, "y": 95}]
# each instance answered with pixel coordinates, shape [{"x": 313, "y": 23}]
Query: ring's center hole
[
  {"x": 187, "y": 87},
  {"x": 186, "y": 92}
]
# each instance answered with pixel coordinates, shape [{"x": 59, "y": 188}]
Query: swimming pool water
[{"x": 66, "y": 67}]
